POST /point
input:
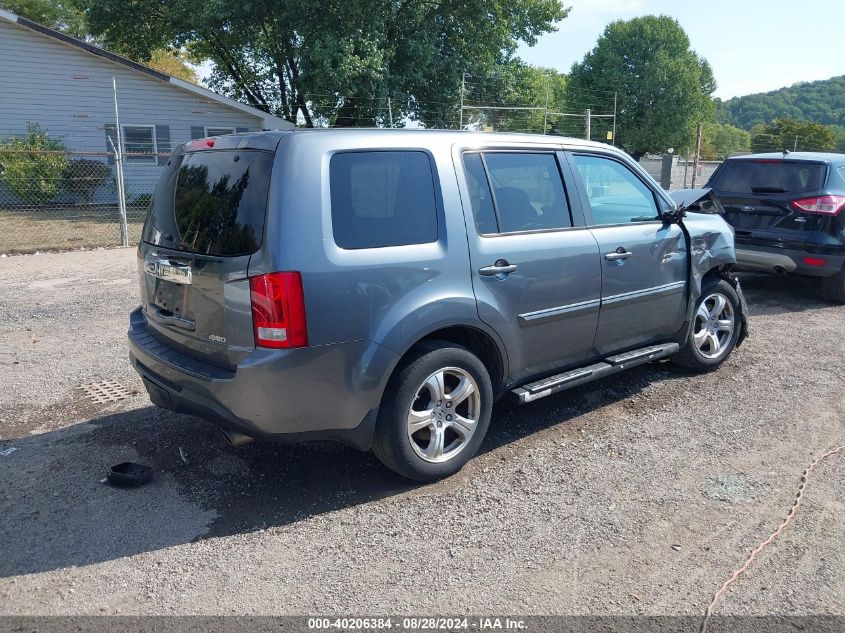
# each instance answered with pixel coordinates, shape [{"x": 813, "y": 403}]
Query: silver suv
[{"x": 385, "y": 287}]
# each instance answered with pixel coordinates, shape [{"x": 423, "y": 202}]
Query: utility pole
[
  {"x": 546, "y": 110},
  {"x": 697, "y": 155},
  {"x": 389, "y": 112},
  {"x": 587, "y": 123},
  {"x": 463, "y": 87},
  {"x": 118, "y": 163},
  {"x": 795, "y": 147},
  {"x": 614, "y": 119}
]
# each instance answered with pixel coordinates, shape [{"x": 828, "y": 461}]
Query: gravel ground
[{"x": 635, "y": 495}]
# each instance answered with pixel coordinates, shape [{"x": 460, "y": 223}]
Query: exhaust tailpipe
[
  {"x": 237, "y": 439},
  {"x": 780, "y": 270}
]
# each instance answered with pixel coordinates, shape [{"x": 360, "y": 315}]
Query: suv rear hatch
[
  {"x": 766, "y": 201},
  {"x": 206, "y": 219}
]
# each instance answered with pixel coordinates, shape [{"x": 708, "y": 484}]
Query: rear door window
[
  {"x": 769, "y": 176},
  {"x": 211, "y": 203},
  {"x": 518, "y": 191},
  {"x": 382, "y": 198}
]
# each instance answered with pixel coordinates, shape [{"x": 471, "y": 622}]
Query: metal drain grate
[{"x": 105, "y": 391}]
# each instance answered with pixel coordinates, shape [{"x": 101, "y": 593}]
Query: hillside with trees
[{"x": 817, "y": 101}]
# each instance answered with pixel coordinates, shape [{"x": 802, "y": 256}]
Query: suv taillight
[
  {"x": 824, "y": 205},
  {"x": 278, "y": 310}
]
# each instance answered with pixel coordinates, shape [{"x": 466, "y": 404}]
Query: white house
[{"x": 65, "y": 85}]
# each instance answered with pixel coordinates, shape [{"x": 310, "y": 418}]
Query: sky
[{"x": 752, "y": 45}]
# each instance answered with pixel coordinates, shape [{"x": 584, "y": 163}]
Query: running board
[{"x": 574, "y": 377}]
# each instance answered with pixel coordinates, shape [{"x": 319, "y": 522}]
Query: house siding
[{"x": 68, "y": 91}]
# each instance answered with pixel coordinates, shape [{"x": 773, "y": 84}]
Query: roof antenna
[{"x": 785, "y": 151}]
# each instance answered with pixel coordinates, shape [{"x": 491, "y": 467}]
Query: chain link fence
[{"x": 59, "y": 200}]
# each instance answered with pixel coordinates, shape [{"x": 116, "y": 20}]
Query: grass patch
[{"x": 44, "y": 229}]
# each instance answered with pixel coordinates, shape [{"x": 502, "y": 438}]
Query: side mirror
[
  {"x": 673, "y": 216},
  {"x": 697, "y": 200}
]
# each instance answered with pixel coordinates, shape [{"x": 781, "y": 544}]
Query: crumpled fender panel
[{"x": 710, "y": 242}]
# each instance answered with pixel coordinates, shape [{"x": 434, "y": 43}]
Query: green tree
[
  {"x": 172, "y": 62},
  {"x": 332, "y": 63},
  {"x": 515, "y": 85},
  {"x": 663, "y": 86},
  {"x": 62, "y": 15},
  {"x": 32, "y": 165},
  {"x": 792, "y": 134},
  {"x": 720, "y": 140},
  {"x": 839, "y": 130}
]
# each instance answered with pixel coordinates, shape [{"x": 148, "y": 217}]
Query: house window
[
  {"x": 139, "y": 143},
  {"x": 219, "y": 131}
]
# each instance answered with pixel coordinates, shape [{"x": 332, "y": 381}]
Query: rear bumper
[
  {"x": 324, "y": 392},
  {"x": 782, "y": 260}
]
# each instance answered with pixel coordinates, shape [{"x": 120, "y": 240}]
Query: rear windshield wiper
[{"x": 769, "y": 190}]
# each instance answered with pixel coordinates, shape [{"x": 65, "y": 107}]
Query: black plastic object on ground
[{"x": 129, "y": 475}]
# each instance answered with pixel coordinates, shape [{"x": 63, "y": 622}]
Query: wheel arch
[
  {"x": 474, "y": 336},
  {"x": 478, "y": 341}
]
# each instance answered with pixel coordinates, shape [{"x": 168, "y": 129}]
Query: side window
[
  {"x": 616, "y": 195},
  {"x": 516, "y": 192},
  {"x": 528, "y": 191},
  {"x": 479, "y": 195},
  {"x": 382, "y": 199}
]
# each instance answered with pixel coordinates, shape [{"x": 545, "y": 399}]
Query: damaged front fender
[{"x": 711, "y": 247}]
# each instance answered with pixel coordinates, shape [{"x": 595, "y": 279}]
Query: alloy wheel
[
  {"x": 714, "y": 325},
  {"x": 444, "y": 414}
]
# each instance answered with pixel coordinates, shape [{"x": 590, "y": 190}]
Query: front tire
[
  {"x": 434, "y": 413},
  {"x": 715, "y": 330}
]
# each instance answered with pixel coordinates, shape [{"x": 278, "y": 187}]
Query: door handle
[
  {"x": 617, "y": 255},
  {"x": 501, "y": 267}
]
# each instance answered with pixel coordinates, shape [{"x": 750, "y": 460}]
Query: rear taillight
[
  {"x": 823, "y": 205},
  {"x": 278, "y": 310}
]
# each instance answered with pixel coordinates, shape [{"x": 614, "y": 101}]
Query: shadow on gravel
[
  {"x": 55, "y": 513},
  {"x": 782, "y": 294}
]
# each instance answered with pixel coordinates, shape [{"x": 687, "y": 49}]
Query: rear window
[
  {"x": 211, "y": 203},
  {"x": 762, "y": 176},
  {"x": 383, "y": 198}
]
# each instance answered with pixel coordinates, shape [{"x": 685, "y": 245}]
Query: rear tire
[
  {"x": 434, "y": 413},
  {"x": 833, "y": 288},
  {"x": 715, "y": 329}
]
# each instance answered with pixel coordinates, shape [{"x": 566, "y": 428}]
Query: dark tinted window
[
  {"x": 528, "y": 191},
  {"x": 213, "y": 203},
  {"x": 769, "y": 176},
  {"x": 616, "y": 194},
  {"x": 479, "y": 195},
  {"x": 382, "y": 199},
  {"x": 139, "y": 143}
]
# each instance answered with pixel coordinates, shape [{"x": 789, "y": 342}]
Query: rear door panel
[{"x": 545, "y": 311}]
